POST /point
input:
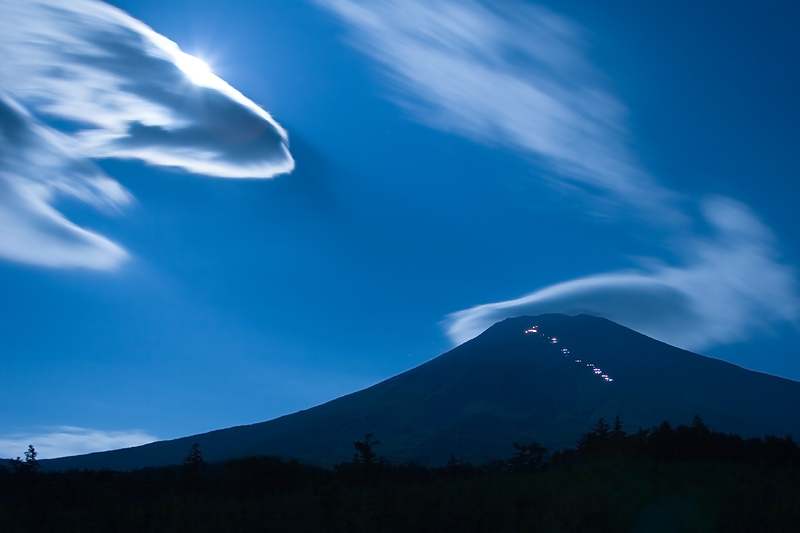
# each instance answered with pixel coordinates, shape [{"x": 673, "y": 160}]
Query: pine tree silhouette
[{"x": 365, "y": 455}]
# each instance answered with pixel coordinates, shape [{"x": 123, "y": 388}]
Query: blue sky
[{"x": 371, "y": 184}]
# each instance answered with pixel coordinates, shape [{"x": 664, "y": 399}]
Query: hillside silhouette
[{"x": 509, "y": 384}]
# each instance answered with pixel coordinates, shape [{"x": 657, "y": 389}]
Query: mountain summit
[{"x": 543, "y": 378}]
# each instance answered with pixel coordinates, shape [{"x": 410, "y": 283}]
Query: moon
[{"x": 197, "y": 70}]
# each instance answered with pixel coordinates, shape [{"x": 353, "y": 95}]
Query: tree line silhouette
[
  {"x": 686, "y": 477},
  {"x": 695, "y": 442}
]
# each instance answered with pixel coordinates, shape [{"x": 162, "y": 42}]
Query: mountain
[{"x": 546, "y": 378}]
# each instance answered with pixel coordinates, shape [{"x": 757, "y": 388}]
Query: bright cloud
[
  {"x": 66, "y": 440},
  {"x": 515, "y": 74},
  {"x": 511, "y": 74},
  {"x": 35, "y": 167},
  {"x": 119, "y": 90},
  {"x": 729, "y": 285}
]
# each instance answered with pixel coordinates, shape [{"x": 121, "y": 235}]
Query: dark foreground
[{"x": 665, "y": 479}]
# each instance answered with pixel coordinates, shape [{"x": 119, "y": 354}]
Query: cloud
[
  {"x": 115, "y": 89},
  {"x": 64, "y": 441},
  {"x": 35, "y": 167},
  {"x": 729, "y": 285},
  {"x": 515, "y": 74},
  {"x": 509, "y": 74}
]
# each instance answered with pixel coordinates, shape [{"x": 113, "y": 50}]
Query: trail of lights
[{"x": 554, "y": 340}]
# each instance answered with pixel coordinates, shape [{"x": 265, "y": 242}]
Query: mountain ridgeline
[{"x": 543, "y": 378}]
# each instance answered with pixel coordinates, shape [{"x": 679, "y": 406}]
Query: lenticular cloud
[
  {"x": 118, "y": 90},
  {"x": 728, "y": 283}
]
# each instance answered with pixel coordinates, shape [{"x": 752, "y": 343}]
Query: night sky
[{"x": 370, "y": 185}]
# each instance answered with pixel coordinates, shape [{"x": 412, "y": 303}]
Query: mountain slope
[{"x": 505, "y": 385}]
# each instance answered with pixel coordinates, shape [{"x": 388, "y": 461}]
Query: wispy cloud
[
  {"x": 728, "y": 286},
  {"x": 116, "y": 89},
  {"x": 36, "y": 166},
  {"x": 64, "y": 441},
  {"x": 516, "y": 74},
  {"x": 509, "y": 74}
]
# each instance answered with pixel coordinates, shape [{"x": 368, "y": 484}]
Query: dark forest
[{"x": 684, "y": 478}]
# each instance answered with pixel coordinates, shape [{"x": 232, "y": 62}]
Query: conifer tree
[
  {"x": 365, "y": 455},
  {"x": 30, "y": 459},
  {"x": 527, "y": 457},
  {"x": 195, "y": 456},
  {"x": 30, "y": 464}
]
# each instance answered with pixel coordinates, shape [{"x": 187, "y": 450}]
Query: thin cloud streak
[
  {"x": 65, "y": 441},
  {"x": 116, "y": 89},
  {"x": 729, "y": 285}
]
